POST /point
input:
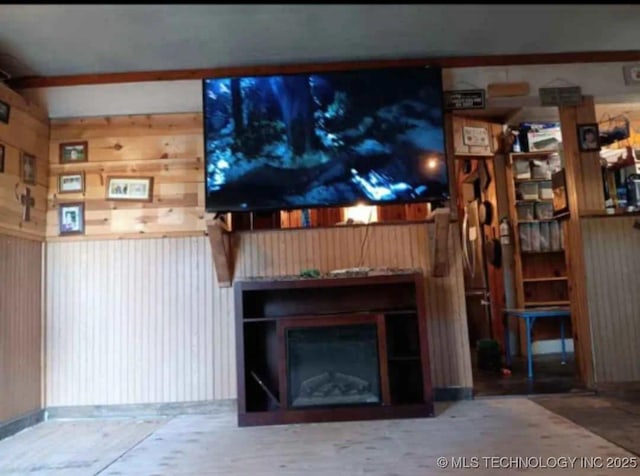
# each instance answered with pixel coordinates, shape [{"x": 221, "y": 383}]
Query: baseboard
[
  {"x": 139, "y": 410},
  {"x": 441, "y": 394},
  {"x": 12, "y": 427},
  {"x": 627, "y": 389},
  {"x": 448, "y": 394}
]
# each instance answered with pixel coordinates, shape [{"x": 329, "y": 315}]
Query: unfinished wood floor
[{"x": 213, "y": 445}]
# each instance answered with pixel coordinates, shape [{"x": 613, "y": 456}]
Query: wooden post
[
  {"x": 584, "y": 191},
  {"x": 222, "y": 252},
  {"x": 441, "y": 253}
]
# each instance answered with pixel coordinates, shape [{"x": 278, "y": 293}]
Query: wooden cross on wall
[{"x": 27, "y": 202}]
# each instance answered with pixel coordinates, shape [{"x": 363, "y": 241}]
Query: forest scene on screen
[{"x": 296, "y": 141}]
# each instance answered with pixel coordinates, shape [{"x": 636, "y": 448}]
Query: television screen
[{"x": 324, "y": 139}]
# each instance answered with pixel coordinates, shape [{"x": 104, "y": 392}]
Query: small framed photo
[
  {"x": 28, "y": 168},
  {"x": 136, "y": 189},
  {"x": 71, "y": 183},
  {"x": 1, "y": 159},
  {"x": 73, "y": 152},
  {"x": 71, "y": 218},
  {"x": 5, "y": 110},
  {"x": 588, "y": 137}
]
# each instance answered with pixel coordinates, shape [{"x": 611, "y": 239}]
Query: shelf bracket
[
  {"x": 441, "y": 253},
  {"x": 222, "y": 251}
]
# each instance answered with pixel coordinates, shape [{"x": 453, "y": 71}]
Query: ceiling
[{"x": 53, "y": 40}]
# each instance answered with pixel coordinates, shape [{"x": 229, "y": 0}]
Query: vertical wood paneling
[
  {"x": 154, "y": 326},
  {"x": 20, "y": 326},
  {"x": 612, "y": 262}
]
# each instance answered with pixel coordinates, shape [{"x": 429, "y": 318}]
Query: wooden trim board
[{"x": 444, "y": 62}]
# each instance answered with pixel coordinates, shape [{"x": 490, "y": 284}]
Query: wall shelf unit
[{"x": 540, "y": 271}]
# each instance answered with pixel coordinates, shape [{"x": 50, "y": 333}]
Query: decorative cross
[{"x": 27, "y": 202}]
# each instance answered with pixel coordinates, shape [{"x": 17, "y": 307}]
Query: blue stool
[{"x": 530, "y": 316}]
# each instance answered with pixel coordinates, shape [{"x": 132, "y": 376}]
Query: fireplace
[
  {"x": 332, "y": 349},
  {"x": 332, "y": 365}
]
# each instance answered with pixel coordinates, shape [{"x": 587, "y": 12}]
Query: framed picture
[
  {"x": 475, "y": 136},
  {"x": 73, "y": 152},
  {"x": 5, "y": 110},
  {"x": 588, "y": 137},
  {"x": 559, "y": 188},
  {"x": 137, "y": 189},
  {"x": 71, "y": 218},
  {"x": 71, "y": 183},
  {"x": 1, "y": 159},
  {"x": 28, "y": 168}
]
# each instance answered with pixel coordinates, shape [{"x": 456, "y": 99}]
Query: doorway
[{"x": 502, "y": 270}]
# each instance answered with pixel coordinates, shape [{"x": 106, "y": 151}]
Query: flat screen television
[{"x": 324, "y": 139}]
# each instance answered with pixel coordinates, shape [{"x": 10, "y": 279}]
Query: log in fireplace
[{"x": 332, "y": 349}]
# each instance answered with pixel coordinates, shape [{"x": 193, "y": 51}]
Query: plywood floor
[{"x": 213, "y": 445}]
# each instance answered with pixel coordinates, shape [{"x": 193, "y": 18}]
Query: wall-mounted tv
[{"x": 324, "y": 139}]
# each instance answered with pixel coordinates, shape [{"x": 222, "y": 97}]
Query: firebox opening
[{"x": 333, "y": 365}]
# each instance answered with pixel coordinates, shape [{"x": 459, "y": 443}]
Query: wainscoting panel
[
  {"x": 612, "y": 263},
  {"x": 143, "y": 321},
  {"x": 20, "y": 327}
]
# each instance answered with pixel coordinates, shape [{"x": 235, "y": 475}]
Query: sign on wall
[
  {"x": 464, "y": 99},
  {"x": 562, "y": 96}
]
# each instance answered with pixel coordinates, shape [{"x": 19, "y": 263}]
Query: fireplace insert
[{"x": 332, "y": 365}]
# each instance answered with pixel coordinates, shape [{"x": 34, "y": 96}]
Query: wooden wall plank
[
  {"x": 167, "y": 147},
  {"x": 20, "y": 327},
  {"x": 579, "y": 181},
  {"x": 27, "y": 131}
]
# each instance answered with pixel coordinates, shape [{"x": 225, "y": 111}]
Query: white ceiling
[{"x": 78, "y": 39}]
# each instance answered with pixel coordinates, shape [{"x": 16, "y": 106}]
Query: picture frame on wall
[
  {"x": 2, "y": 150},
  {"x": 134, "y": 189},
  {"x": 588, "y": 137},
  {"x": 74, "y": 152},
  {"x": 71, "y": 219},
  {"x": 28, "y": 168},
  {"x": 5, "y": 111},
  {"x": 71, "y": 183}
]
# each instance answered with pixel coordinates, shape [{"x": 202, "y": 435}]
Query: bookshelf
[{"x": 540, "y": 270}]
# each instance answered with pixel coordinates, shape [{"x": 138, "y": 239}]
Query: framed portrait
[
  {"x": 1, "y": 159},
  {"x": 136, "y": 189},
  {"x": 588, "y": 137},
  {"x": 5, "y": 110},
  {"x": 71, "y": 218},
  {"x": 71, "y": 183},
  {"x": 28, "y": 168},
  {"x": 73, "y": 152}
]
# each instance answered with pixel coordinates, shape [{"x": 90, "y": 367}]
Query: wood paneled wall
[
  {"x": 611, "y": 247},
  {"x": 27, "y": 131},
  {"x": 20, "y": 326},
  {"x": 167, "y": 147},
  {"x": 141, "y": 321}
]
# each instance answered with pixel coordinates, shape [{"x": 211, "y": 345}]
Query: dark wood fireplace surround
[{"x": 393, "y": 302}]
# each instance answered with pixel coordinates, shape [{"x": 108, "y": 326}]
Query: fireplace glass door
[{"x": 332, "y": 366}]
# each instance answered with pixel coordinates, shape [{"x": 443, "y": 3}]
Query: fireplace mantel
[{"x": 388, "y": 376}]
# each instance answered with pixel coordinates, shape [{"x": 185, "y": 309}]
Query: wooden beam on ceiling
[{"x": 444, "y": 62}]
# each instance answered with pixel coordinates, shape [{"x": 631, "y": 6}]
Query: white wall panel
[
  {"x": 143, "y": 321},
  {"x": 612, "y": 260}
]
